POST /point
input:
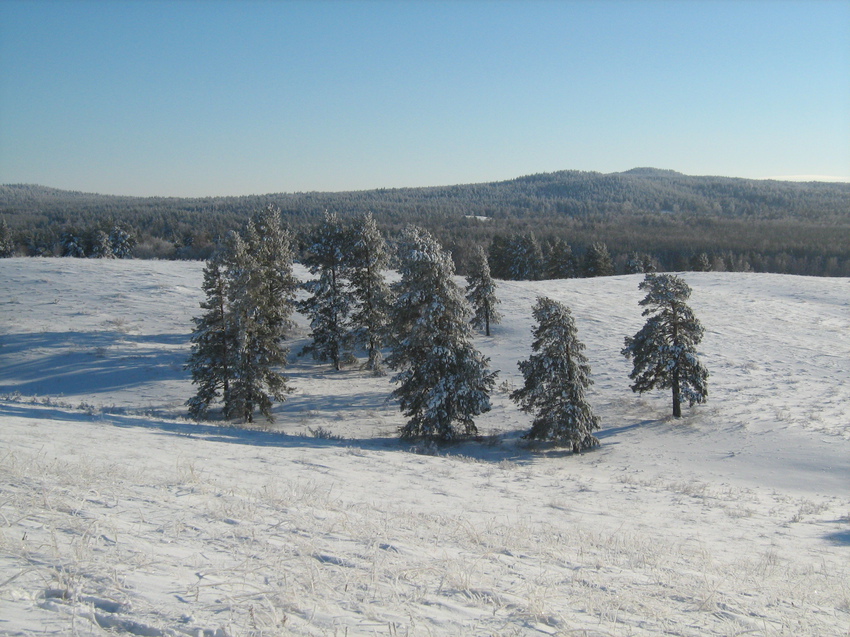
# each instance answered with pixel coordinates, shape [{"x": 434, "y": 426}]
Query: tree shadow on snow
[{"x": 59, "y": 363}]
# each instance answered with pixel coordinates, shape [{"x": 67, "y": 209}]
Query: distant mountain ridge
[{"x": 568, "y": 192}]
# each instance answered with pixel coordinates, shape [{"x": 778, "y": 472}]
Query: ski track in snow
[{"x": 118, "y": 515}]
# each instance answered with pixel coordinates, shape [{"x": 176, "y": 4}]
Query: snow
[{"x": 119, "y": 515}]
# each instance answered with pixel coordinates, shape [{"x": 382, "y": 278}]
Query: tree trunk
[{"x": 677, "y": 403}]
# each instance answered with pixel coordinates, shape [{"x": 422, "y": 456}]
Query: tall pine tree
[
  {"x": 664, "y": 350},
  {"x": 328, "y": 305},
  {"x": 212, "y": 342},
  {"x": 481, "y": 292},
  {"x": 556, "y": 378},
  {"x": 372, "y": 297},
  {"x": 238, "y": 343},
  {"x": 443, "y": 381}
]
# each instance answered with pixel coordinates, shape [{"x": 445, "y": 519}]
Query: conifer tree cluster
[
  {"x": 349, "y": 300},
  {"x": 238, "y": 342}
]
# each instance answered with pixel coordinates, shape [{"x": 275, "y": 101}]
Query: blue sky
[{"x": 191, "y": 98}]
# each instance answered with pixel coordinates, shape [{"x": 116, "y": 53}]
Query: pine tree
[
  {"x": 443, "y": 381},
  {"x": 212, "y": 342},
  {"x": 664, "y": 350},
  {"x": 238, "y": 343},
  {"x": 122, "y": 241},
  {"x": 72, "y": 245},
  {"x": 560, "y": 263},
  {"x": 101, "y": 246},
  {"x": 372, "y": 297},
  {"x": 7, "y": 246},
  {"x": 328, "y": 305},
  {"x": 556, "y": 378},
  {"x": 481, "y": 292},
  {"x": 525, "y": 258},
  {"x": 597, "y": 261}
]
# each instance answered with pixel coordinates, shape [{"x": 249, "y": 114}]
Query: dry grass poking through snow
[{"x": 734, "y": 521}]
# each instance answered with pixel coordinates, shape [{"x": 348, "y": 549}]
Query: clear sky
[{"x": 191, "y": 98}]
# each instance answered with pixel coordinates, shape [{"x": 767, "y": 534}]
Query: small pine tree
[
  {"x": 597, "y": 261},
  {"x": 72, "y": 245},
  {"x": 560, "y": 262},
  {"x": 700, "y": 263},
  {"x": 443, "y": 381},
  {"x": 481, "y": 292},
  {"x": 122, "y": 241},
  {"x": 370, "y": 293},
  {"x": 664, "y": 350},
  {"x": 328, "y": 305},
  {"x": 556, "y": 378},
  {"x": 101, "y": 246},
  {"x": 7, "y": 246}
]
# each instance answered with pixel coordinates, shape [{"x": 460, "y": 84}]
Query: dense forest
[{"x": 671, "y": 220}]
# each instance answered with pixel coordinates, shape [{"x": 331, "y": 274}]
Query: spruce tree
[
  {"x": 481, "y": 292},
  {"x": 664, "y": 350},
  {"x": 370, "y": 293},
  {"x": 443, "y": 381},
  {"x": 212, "y": 342},
  {"x": 328, "y": 305},
  {"x": 557, "y": 376}
]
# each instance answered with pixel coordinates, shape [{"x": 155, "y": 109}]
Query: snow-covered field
[{"x": 118, "y": 515}]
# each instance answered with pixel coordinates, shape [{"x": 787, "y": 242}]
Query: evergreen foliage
[
  {"x": 559, "y": 260},
  {"x": 664, "y": 350},
  {"x": 481, "y": 292},
  {"x": 7, "y": 246},
  {"x": 597, "y": 261},
  {"x": 372, "y": 297},
  {"x": 238, "y": 343},
  {"x": 443, "y": 381},
  {"x": 557, "y": 376},
  {"x": 213, "y": 342},
  {"x": 328, "y": 305}
]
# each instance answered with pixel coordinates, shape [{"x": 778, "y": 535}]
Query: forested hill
[
  {"x": 803, "y": 228},
  {"x": 568, "y": 192}
]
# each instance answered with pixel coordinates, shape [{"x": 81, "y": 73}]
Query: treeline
[{"x": 797, "y": 228}]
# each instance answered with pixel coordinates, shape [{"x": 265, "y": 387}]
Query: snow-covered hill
[{"x": 116, "y": 514}]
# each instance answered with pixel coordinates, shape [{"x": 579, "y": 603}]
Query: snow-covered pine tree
[
  {"x": 328, "y": 305},
  {"x": 213, "y": 342},
  {"x": 481, "y": 292},
  {"x": 7, "y": 246},
  {"x": 72, "y": 245},
  {"x": 556, "y": 377},
  {"x": 597, "y": 261},
  {"x": 122, "y": 241},
  {"x": 372, "y": 297},
  {"x": 664, "y": 350},
  {"x": 101, "y": 246},
  {"x": 260, "y": 293},
  {"x": 525, "y": 258},
  {"x": 560, "y": 263},
  {"x": 443, "y": 381}
]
